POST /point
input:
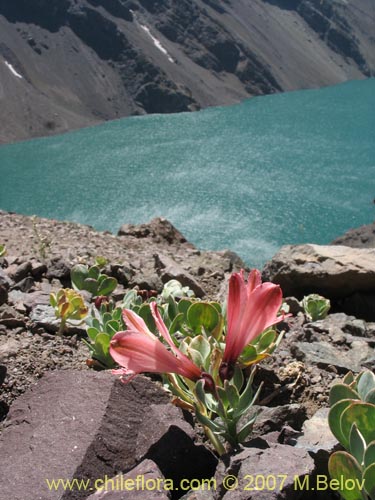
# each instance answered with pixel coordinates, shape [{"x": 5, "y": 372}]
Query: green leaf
[
  {"x": 363, "y": 415},
  {"x": 183, "y": 307},
  {"x": 112, "y": 327},
  {"x": 94, "y": 272},
  {"x": 370, "y": 397},
  {"x": 246, "y": 429},
  {"x": 232, "y": 394},
  {"x": 369, "y": 478},
  {"x": 366, "y": 384},
  {"x": 248, "y": 354},
  {"x": 201, "y": 344},
  {"x": 238, "y": 378},
  {"x": 341, "y": 391},
  {"x": 370, "y": 454},
  {"x": 176, "y": 323},
  {"x": 202, "y": 315},
  {"x": 265, "y": 340},
  {"x": 348, "y": 379},
  {"x": 172, "y": 308},
  {"x": 92, "y": 333},
  {"x": 357, "y": 444},
  {"x": 343, "y": 467},
  {"x": 146, "y": 314},
  {"x": 90, "y": 285},
  {"x": 78, "y": 274},
  {"x": 107, "y": 286},
  {"x": 334, "y": 417},
  {"x": 101, "y": 353}
]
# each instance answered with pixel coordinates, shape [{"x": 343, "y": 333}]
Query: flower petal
[
  {"x": 141, "y": 353},
  {"x": 135, "y": 323}
]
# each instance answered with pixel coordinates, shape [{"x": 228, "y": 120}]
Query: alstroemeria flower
[
  {"x": 252, "y": 308},
  {"x": 138, "y": 350}
]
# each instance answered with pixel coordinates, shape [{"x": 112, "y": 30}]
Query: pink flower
[
  {"x": 252, "y": 308},
  {"x": 139, "y": 350}
]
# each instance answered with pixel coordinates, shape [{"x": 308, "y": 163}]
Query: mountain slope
[{"x": 70, "y": 63}]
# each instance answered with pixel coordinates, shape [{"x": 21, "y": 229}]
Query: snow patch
[
  {"x": 157, "y": 42},
  {"x": 13, "y": 70}
]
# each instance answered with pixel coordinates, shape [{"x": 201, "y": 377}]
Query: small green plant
[
  {"x": 316, "y": 307},
  {"x": 43, "y": 243},
  {"x": 352, "y": 421},
  {"x": 92, "y": 280},
  {"x": 103, "y": 323},
  {"x": 3, "y": 250},
  {"x": 68, "y": 305}
]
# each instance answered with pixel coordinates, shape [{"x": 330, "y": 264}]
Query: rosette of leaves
[
  {"x": 102, "y": 325},
  {"x": 69, "y": 306},
  {"x": 3, "y": 250},
  {"x": 92, "y": 280},
  {"x": 352, "y": 421},
  {"x": 315, "y": 306}
]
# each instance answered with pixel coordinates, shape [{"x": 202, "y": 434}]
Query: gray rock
[
  {"x": 183, "y": 460},
  {"x": 343, "y": 274},
  {"x": 58, "y": 268},
  {"x": 18, "y": 273},
  {"x": 10, "y": 317},
  {"x": 333, "y": 271},
  {"x": 25, "y": 284},
  {"x": 325, "y": 354},
  {"x": 5, "y": 281},
  {"x": 168, "y": 270},
  {"x": 72, "y": 424},
  {"x": 3, "y": 295},
  {"x": 159, "y": 229},
  {"x": 9, "y": 348},
  {"x": 274, "y": 418},
  {"x": 318, "y": 439},
  {"x": 43, "y": 315},
  {"x": 255, "y": 473},
  {"x": 142, "y": 481}
]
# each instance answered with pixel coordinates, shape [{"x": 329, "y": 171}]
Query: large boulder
[
  {"x": 360, "y": 237},
  {"x": 345, "y": 275},
  {"x": 85, "y": 425}
]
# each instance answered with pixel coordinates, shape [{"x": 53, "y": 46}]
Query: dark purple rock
[
  {"x": 144, "y": 480},
  {"x": 72, "y": 424}
]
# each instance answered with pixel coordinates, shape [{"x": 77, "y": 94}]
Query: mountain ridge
[{"x": 66, "y": 64}]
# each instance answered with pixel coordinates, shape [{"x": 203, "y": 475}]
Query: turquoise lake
[{"x": 281, "y": 169}]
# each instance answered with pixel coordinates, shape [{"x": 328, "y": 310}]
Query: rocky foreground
[
  {"x": 66, "y": 64},
  {"x": 63, "y": 420}
]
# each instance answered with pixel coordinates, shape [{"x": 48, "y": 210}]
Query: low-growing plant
[
  {"x": 92, "y": 280},
  {"x": 352, "y": 421},
  {"x": 315, "y": 306},
  {"x": 43, "y": 243},
  {"x": 69, "y": 306},
  {"x": 201, "y": 354},
  {"x": 3, "y": 250}
]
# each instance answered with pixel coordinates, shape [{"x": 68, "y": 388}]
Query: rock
[
  {"x": 361, "y": 237},
  {"x": 58, "y": 268},
  {"x": 3, "y": 295},
  {"x": 164, "y": 425},
  {"x": 3, "y": 372},
  {"x": 44, "y": 316},
  {"x": 146, "y": 477},
  {"x": 5, "y": 280},
  {"x": 159, "y": 229},
  {"x": 20, "y": 272},
  {"x": 9, "y": 348},
  {"x": 333, "y": 271},
  {"x": 337, "y": 272},
  {"x": 37, "y": 269},
  {"x": 318, "y": 439},
  {"x": 256, "y": 473},
  {"x": 273, "y": 418},
  {"x": 168, "y": 270},
  {"x": 73, "y": 424},
  {"x": 10, "y": 317},
  {"x": 324, "y": 354},
  {"x": 25, "y": 284}
]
